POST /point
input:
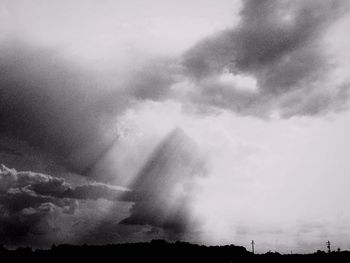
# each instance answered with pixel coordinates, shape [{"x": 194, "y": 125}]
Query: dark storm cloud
[
  {"x": 279, "y": 44},
  {"x": 29, "y": 200},
  {"x": 47, "y": 102},
  {"x": 17, "y": 226},
  {"x": 162, "y": 190},
  {"x": 63, "y": 108}
]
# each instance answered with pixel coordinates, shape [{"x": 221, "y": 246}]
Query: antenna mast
[{"x": 329, "y": 246}]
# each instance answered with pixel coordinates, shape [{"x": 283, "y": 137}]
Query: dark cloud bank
[
  {"x": 28, "y": 200},
  {"x": 61, "y": 110}
]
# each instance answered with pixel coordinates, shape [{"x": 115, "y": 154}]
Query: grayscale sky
[{"x": 209, "y": 121}]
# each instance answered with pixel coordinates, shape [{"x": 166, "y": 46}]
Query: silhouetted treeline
[{"x": 156, "y": 251}]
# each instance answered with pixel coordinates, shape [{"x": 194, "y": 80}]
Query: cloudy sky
[{"x": 208, "y": 121}]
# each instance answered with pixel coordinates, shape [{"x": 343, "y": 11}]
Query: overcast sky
[{"x": 210, "y": 121}]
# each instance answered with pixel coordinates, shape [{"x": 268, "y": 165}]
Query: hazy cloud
[{"x": 164, "y": 187}]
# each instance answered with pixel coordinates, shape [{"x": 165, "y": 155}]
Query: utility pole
[
  {"x": 329, "y": 246},
  {"x": 253, "y": 243}
]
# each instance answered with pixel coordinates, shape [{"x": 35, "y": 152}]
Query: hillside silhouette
[{"x": 158, "y": 251}]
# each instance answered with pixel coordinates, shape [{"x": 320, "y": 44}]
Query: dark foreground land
[{"x": 159, "y": 251}]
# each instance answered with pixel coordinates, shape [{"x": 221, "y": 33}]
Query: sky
[{"x": 214, "y": 123}]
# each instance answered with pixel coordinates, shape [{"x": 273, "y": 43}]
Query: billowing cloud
[{"x": 280, "y": 45}]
